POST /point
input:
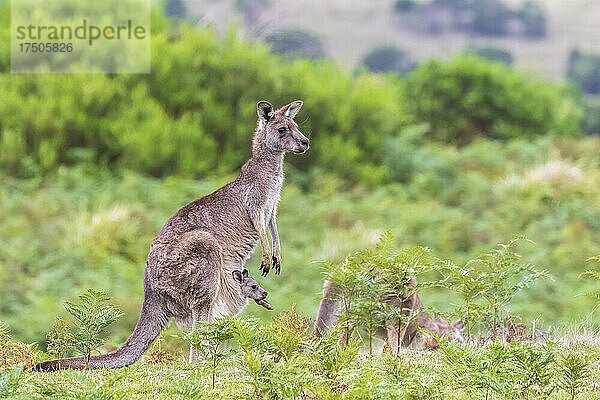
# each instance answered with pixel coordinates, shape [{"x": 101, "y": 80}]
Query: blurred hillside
[{"x": 349, "y": 30}]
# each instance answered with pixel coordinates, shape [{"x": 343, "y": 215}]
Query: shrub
[
  {"x": 496, "y": 277},
  {"x": 389, "y": 59},
  {"x": 470, "y": 97},
  {"x": 296, "y": 43},
  {"x": 403, "y": 6},
  {"x": 533, "y": 18},
  {"x": 584, "y": 70},
  {"x": 175, "y": 8},
  {"x": 593, "y": 275},
  {"x": 493, "y": 54},
  {"x": 92, "y": 316},
  {"x": 490, "y": 17},
  {"x": 590, "y": 123}
]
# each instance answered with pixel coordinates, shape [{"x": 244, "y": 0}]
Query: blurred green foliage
[
  {"x": 470, "y": 97},
  {"x": 84, "y": 226},
  {"x": 492, "y": 54},
  {"x": 80, "y": 158},
  {"x": 296, "y": 43},
  {"x": 201, "y": 96},
  {"x": 584, "y": 70},
  {"x": 494, "y": 18},
  {"x": 389, "y": 59}
]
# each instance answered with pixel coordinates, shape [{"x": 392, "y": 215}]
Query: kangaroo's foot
[
  {"x": 265, "y": 266},
  {"x": 276, "y": 264}
]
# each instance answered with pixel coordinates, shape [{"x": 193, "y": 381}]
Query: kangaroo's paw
[
  {"x": 277, "y": 265},
  {"x": 265, "y": 267}
]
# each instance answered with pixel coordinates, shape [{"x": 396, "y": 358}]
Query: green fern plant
[
  {"x": 401, "y": 272},
  {"x": 59, "y": 339},
  {"x": 594, "y": 275},
  {"x": 470, "y": 284},
  {"x": 365, "y": 278},
  {"x": 352, "y": 277},
  {"x": 10, "y": 380},
  {"x": 92, "y": 316},
  {"x": 209, "y": 339},
  {"x": 573, "y": 373},
  {"x": 327, "y": 356},
  {"x": 531, "y": 367},
  {"x": 494, "y": 277}
]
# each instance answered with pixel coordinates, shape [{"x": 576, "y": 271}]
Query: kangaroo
[
  {"x": 394, "y": 333},
  {"x": 251, "y": 289},
  {"x": 189, "y": 269}
]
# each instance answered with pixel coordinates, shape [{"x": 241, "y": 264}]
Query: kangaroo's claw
[
  {"x": 277, "y": 265},
  {"x": 265, "y": 267}
]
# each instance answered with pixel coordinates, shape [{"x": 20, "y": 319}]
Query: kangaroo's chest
[{"x": 273, "y": 196}]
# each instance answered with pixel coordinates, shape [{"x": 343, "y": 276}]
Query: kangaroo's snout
[{"x": 302, "y": 146}]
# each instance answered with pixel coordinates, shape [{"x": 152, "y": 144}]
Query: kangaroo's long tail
[
  {"x": 328, "y": 310},
  {"x": 153, "y": 318}
]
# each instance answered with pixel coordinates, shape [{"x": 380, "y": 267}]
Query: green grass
[{"x": 494, "y": 371}]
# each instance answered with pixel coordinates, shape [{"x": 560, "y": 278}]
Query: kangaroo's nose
[{"x": 304, "y": 143}]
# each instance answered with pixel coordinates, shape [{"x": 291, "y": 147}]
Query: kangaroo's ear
[
  {"x": 237, "y": 275},
  {"x": 458, "y": 324},
  {"x": 245, "y": 273},
  {"x": 264, "y": 109},
  {"x": 292, "y": 109}
]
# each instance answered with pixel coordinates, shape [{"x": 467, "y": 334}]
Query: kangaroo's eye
[
  {"x": 254, "y": 287},
  {"x": 282, "y": 129}
]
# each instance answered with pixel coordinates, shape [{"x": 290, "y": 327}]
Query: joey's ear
[
  {"x": 292, "y": 109},
  {"x": 264, "y": 109},
  {"x": 245, "y": 273},
  {"x": 237, "y": 275}
]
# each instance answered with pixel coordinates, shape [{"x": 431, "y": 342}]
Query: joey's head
[
  {"x": 277, "y": 130},
  {"x": 251, "y": 289}
]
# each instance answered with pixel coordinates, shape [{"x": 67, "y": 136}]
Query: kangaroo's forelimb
[
  {"x": 275, "y": 242},
  {"x": 258, "y": 220}
]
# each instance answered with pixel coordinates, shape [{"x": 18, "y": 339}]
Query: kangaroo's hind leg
[
  {"x": 195, "y": 280},
  {"x": 198, "y": 316}
]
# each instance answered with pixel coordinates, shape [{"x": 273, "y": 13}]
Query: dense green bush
[
  {"x": 492, "y": 54},
  {"x": 296, "y": 43},
  {"x": 175, "y": 8},
  {"x": 194, "y": 115},
  {"x": 389, "y": 59},
  {"x": 402, "y": 6},
  {"x": 470, "y": 97},
  {"x": 591, "y": 116},
  {"x": 533, "y": 19},
  {"x": 584, "y": 70},
  {"x": 490, "y": 17}
]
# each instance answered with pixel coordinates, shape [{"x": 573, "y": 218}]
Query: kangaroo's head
[
  {"x": 277, "y": 129},
  {"x": 251, "y": 289}
]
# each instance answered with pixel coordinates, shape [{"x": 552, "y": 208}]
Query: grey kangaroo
[
  {"x": 394, "y": 334},
  {"x": 189, "y": 269}
]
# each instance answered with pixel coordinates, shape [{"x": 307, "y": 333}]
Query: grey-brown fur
[
  {"x": 410, "y": 336},
  {"x": 189, "y": 267}
]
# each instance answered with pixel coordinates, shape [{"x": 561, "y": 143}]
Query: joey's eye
[
  {"x": 282, "y": 129},
  {"x": 254, "y": 287}
]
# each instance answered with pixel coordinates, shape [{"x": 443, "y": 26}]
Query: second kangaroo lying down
[{"x": 409, "y": 336}]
